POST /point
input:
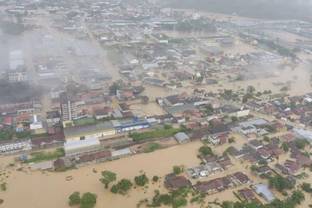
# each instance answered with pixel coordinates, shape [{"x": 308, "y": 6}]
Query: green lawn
[
  {"x": 157, "y": 133},
  {"x": 46, "y": 156},
  {"x": 6, "y": 134},
  {"x": 152, "y": 147},
  {"x": 84, "y": 121}
]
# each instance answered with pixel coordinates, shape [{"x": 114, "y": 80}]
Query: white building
[
  {"x": 15, "y": 146},
  {"x": 78, "y": 147}
]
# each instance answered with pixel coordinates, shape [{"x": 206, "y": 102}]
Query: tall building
[
  {"x": 68, "y": 107},
  {"x": 18, "y": 75}
]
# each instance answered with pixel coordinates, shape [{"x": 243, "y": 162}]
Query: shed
[
  {"x": 121, "y": 153},
  {"x": 46, "y": 165},
  {"x": 81, "y": 146},
  {"x": 182, "y": 137},
  {"x": 264, "y": 191}
]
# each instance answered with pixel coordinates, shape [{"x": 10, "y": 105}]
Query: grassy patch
[
  {"x": 23, "y": 134},
  {"x": 158, "y": 133},
  {"x": 84, "y": 121},
  {"x": 45, "y": 156},
  {"x": 151, "y": 147},
  {"x": 6, "y": 134}
]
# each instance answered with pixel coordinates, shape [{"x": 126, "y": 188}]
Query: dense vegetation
[
  {"x": 122, "y": 187},
  {"x": 280, "y": 183},
  {"x": 9, "y": 133},
  {"x": 6, "y": 134}
]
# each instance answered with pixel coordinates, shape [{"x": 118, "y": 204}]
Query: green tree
[
  {"x": 280, "y": 183},
  {"x": 231, "y": 139},
  {"x": 306, "y": 187},
  {"x": 74, "y": 199},
  {"x": 285, "y": 146},
  {"x": 253, "y": 168},
  {"x": 141, "y": 180},
  {"x": 234, "y": 119},
  {"x": 155, "y": 178},
  {"x": 122, "y": 187},
  {"x": 161, "y": 199},
  {"x": 266, "y": 139},
  {"x": 209, "y": 110},
  {"x": 6, "y": 134},
  {"x": 205, "y": 150},
  {"x": 179, "y": 202},
  {"x": 88, "y": 200},
  {"x": 250, "y": 89},
  {"x": 177, "y": 169},
  {"x": 297, "y": 197},
  {"x": 300, "y": 143},
  {"x": 108, "y": 177},
  {"x": 114, "y": 87}
]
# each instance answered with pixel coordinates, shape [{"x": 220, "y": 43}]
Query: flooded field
[
  {"x": 50, "y": 190},
  {"x": 37, "y": 189}
]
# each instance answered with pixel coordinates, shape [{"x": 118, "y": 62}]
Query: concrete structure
[
  {"x": 121, "y": 153},
  {"x": 304, "y": 134},
  {"x": 99, "y": 130},
  {"x": 182, "y": 138},
  {"x": 36, "y": 126},
  {"x": 15, "y": 146},
  {"x": 18, "y": 75},
  {"x": 68, "y": 108},
  {"x": 46, "y": 165},
  {"x": 78, "y": 147},
  {"x": 130, "y": 125}
]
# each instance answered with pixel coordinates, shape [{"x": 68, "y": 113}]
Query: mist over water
[{"x": 267, "y": 9}]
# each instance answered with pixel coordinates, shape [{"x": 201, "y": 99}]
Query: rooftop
[
  {"x": 71, "y": 145},
  {"x": 79, "y": 130}
]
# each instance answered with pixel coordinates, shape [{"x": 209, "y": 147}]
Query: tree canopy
[
  {"x": 205, "y": 150},
  {"x": 108, "y": 177},
  {"x": 141, "y": 180},
  {"x": 122, "y": 187}
]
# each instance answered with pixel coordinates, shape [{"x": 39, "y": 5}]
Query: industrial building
[
  {"x": 98, "y": 130},
  {"x": 78, "y": 147},
  {"x": 130, "y": 125}
]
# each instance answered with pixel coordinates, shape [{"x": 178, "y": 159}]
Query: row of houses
[
  {"x": 213, "y": 165},
  {"x": 16, "y": 146},
  {"x": 223, "y": 183}
]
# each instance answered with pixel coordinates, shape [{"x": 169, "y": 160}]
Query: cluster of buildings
[{"x": 88, "y": 112}]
